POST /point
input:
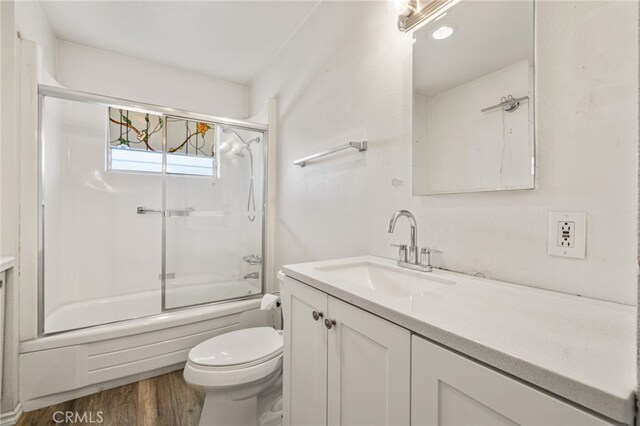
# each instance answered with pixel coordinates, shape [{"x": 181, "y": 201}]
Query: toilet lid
[{"x": 237, "y": 347}]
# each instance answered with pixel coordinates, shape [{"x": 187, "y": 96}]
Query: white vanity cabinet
[
  {"x": 342, "y": 365},
  {"x": 450, "y": 389}
]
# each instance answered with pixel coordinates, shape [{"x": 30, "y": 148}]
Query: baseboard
[{"x": 11, "y": 417}]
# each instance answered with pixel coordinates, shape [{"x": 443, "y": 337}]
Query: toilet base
[
  {"x": 231, "y": 413},
  {"x": 265, "y": 410},
  {"x": 245, "y": 405}
]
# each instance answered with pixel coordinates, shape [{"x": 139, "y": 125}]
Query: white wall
[
  {"x": 33, "y": 26},
  {"x": 9, "y": 205},
  {"x": 346, "y": 75},
  {"x": 106, "y": 73}
]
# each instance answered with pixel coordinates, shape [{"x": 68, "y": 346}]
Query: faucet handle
[
  {"x": 402, "y": 252},
  {"x": 425, "y": 257},
  {"x": 427, "y": 250}
]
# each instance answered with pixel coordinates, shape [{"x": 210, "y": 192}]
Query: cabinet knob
[
  {"x": 316, "y": 315},
  {"x": 329, "y": 323}
]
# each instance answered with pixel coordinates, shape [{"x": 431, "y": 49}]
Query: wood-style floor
[{"x": 164, "y": 401}]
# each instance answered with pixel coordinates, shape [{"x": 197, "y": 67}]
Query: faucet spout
[
  {"x": 413, "y": 248},
  {"x": 412, "y": 224}
]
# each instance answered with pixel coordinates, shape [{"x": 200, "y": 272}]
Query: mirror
[{"x": 473, "y": 114}]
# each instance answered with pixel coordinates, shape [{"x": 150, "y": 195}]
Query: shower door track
[{"x": 90, "y": 98}]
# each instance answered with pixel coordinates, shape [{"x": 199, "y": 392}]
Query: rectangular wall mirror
[{"x": 473, "y": 99}]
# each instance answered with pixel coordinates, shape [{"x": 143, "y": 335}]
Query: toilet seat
[
  {"x": 235, "y": 358},
  {"x": 240, "y": 347}
]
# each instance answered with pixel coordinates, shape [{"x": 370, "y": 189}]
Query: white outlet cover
[{"x": 578, "y": 234}]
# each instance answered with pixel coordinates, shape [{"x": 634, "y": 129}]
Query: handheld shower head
[{"x": 229, "y": 130}]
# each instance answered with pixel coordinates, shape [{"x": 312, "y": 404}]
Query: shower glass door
[
  {"x": 144, "y": 211},
  {"x": 102, "y": 260},
  {"x": 214, "y": 223}
]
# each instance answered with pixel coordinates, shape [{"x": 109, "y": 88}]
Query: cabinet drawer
[{"x": 449, "y": 389}]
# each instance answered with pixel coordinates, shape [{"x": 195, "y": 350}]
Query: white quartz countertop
[
  {"x": 6, "y": 263},
  {"x": 578, "y": 348}
]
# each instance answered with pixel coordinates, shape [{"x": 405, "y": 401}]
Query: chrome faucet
[
  {"x": 412, "y": 255},
  {"x": 409, "y": 258}
]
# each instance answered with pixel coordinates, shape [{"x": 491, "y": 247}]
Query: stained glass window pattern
[
  {"x": 136, "y": 144},
  {"x": 135, "y": 130}
]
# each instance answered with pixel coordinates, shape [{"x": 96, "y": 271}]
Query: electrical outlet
[{"x": 567, "y": 234}]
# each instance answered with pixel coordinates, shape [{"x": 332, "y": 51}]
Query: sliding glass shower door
[
  {"x": 214, "y": 224},
  {"x": 102, "y": 261},
  {"x": 144, "y": 212}
]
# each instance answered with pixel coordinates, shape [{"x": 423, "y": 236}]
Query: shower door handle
[
  {"x": 144, "y": 210},
  {"x": 184, "y": 212},
  {"x": 165, "y": 213}
]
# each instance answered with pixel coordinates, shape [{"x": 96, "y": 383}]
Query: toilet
[{"x": 241, "y": 373}]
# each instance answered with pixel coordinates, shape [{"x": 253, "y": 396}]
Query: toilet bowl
[{"x": 241, "y": 374}]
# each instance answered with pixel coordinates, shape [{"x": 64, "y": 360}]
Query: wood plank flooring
[{"x": 164, "y": 401}]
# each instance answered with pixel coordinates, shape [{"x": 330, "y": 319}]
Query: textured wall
[
  {"x": 33, "y": 26},
  {"x": 106, "y": 73},
  {"x": 346, "y": 75}
]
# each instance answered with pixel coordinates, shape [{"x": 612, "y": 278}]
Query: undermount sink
[{"x": 389, "y": 280}]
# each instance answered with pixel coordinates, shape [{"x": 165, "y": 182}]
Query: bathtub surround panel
[{"x": 346, "y": 75}]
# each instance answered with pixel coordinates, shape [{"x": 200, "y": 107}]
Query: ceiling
[
  {"x": 230, "y": 40},
  {"x": 490, "y": 35}
]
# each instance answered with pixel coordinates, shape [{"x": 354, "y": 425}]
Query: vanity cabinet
[
  {"x": 342, "y": 365},
  {"x": 346, "y": 366},
  {"x": 450, "y": 389}
]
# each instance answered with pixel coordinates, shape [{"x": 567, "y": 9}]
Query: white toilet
[{"x": 241, "y": 373}]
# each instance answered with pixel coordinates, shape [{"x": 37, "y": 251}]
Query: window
[{"x": 136, "y": 144}]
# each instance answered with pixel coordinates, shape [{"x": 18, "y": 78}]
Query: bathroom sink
[{"x": 389, "y": 280}]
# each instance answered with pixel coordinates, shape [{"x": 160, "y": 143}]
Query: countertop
[
  {"x": 6, "y": 263},
  {"x": 578, "y": 348}
]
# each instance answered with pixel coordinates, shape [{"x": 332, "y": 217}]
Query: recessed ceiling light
[{"x": 443, "y": 31}]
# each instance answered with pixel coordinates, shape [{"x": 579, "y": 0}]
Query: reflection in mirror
[{"x": 473, "y": 127}]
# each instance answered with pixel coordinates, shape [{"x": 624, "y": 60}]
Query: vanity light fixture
[
  {"x": 412, "y": 16},
  {"x": 403, "y": 8},
  {"x": 444, "y": 31}
]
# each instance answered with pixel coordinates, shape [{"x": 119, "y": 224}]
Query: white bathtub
[
  {"x": 94, "y": 358},
  {"x": 187, "y": 291}
]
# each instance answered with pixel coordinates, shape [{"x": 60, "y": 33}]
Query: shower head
[{"x": 229, "y": 130}]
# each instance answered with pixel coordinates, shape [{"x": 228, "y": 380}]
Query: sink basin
[{"x": 391, "y": 281}]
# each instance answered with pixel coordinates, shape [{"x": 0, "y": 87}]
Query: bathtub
[
  {"x": 98, "y": 357},
  {"x": 188, "y": 291}
]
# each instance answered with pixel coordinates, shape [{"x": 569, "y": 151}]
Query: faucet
[
  {"x": 413, "y": 248},
  {"x": 410, "y": 258},
  {"x": 251, "y": 275}
]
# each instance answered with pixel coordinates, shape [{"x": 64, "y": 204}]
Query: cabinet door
[
  {"x": 305, "y": 355},
  {"x": 449, "y": 389},
  {"x": 369, "y": 369}
]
